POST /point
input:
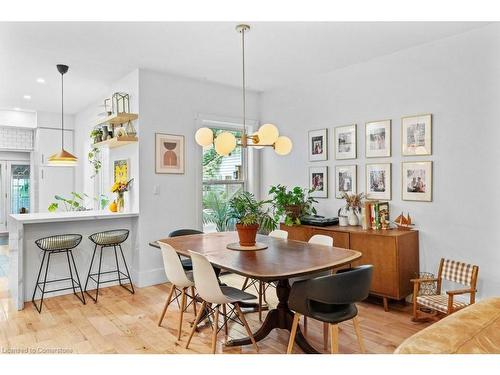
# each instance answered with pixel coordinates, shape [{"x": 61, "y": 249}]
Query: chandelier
[{"x": 267, "y": 135}]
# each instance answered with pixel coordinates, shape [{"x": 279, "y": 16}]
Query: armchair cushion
[{"x": 439, "y": 302}]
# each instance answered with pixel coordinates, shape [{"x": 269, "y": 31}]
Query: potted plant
[
  {"x": 120, "y": 188},
  {"x": 293, "y": 204},
  {"x": 96, "y": 134},
  {"x": 250, "y": 215}
]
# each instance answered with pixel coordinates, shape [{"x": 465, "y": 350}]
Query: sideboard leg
[{"x": 386, "y": 304}]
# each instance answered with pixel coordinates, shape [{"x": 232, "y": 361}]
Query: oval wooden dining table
[{"x": 280, "y": 261}]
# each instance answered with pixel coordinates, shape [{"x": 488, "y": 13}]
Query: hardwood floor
[{"x": 125, "y": 323}]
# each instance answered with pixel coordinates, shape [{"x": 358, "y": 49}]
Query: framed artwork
[
  {"x": 416, "y": 179},
  {"x": 318, "y": 145},
  {"x": 378, "y": 139},
  {"x": 169, "y": 153},
  {"x": 345, "y": 142},
  {"x": 120, "y": 171},
  {"x": 416, "y": 135},
  {"x": 318, "y": 181},
  {"x": 346, "y": 180},
  {"x": 378, "y": 181}
]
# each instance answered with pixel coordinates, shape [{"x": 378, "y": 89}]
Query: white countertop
[{"x": 50, "y": 217}]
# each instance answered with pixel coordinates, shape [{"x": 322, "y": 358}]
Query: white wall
[
  {"x": 22, "y": 119},
  {"x": 170, "y": 104},
  {"x": 457, "y": 79}
]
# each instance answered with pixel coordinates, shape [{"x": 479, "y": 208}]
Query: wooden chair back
[{"x": 458, "y": 272}]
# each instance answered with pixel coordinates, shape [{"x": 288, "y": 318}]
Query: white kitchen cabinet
[{"x": 49, "y": 142}]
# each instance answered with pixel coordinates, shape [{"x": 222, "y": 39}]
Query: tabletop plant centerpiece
[
  {"x": 353, "y": 206},
  {"x": 292, "y": 204},
  {"x": 120, "y": 188},
  {"x": 250, "y": 216}
]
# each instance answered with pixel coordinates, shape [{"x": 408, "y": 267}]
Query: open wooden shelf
[
  {"x": 116, "y": 142},
  {"x": 118, "y": 118}
]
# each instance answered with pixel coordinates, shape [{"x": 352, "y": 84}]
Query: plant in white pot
[
  {"x": 250, "y": 215},
  {"x": 353, "y": 206}
]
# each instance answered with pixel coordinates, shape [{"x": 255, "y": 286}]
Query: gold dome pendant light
[
  {"x": 62, "y": 158},
  {"x": 266, "y": 136}
]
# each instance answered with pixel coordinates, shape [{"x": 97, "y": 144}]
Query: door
[
  {"x": 15, "y": 190},
  {"x": 3, "y": 198}
]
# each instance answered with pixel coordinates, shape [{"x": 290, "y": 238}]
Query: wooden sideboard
[{"x": 393, "y": 253}]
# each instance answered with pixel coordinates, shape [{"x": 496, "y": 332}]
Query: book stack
[{"x": 376, "y": 215}]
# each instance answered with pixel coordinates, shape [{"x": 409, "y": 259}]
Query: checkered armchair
[{"x": 446, "y": 303}]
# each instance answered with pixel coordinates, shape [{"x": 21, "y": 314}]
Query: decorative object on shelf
[
  {"x": 346, "y": 180},
  {"x": 404, "y": 222},
  {"x": 63, "y": 157},
  {"x": 345, "y": 142},
  {"x": 292, "y": 204},
  {"x": 343, "y": 217},
  {"x": 362, "y": 218},
  {"x": 120, "y": 188},
  {"x": 250, "y": 215},
  {"x": 130, "y": 130},
  {"x": 169, "y": 153},
  {"x": 119, "y": 132},
  {"x": 318, "y": 182},
  {"x": 378, "y": 214},
  {"x": 107, "y": 108},
  {"x": 378, "y": 139},
  {"x": 96, "y": 135},
  {"x": 318, "y": 145},
  {"x": 120, "y": 171},
  {"x": 416, "y": 135},
  {"x": 105, "y": 132},
  {"x": 378, "y": 181},
  {"x": 416, "y": 179},
  {"x": 120, "y": 102},
  {"x": 353, "y": 206},
  {"x": 113, "y": 207},
  {"x": 266, "y": 136},
  {"x": 94, "y": 157}
]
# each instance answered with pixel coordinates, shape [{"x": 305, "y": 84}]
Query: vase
[
  {"x": 352, "y": 218},
  {"x": 247, "y": 234},
  {"x": 130, "y": 130},
  {"x": 120, "y": 202},
  {"x": 105, "y": 132},
  {"x": 343, "y": 217}
]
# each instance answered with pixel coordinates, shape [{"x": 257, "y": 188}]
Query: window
[{"x": 223, "y": 176}]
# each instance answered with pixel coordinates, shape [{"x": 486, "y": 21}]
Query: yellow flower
[{"x": 115, "y": 187}]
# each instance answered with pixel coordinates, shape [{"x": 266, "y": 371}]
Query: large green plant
[
  {"x": 76, "y": 202},
  {"x": 217, "y": 211},
  {"x": 247, "y": 210},
  {"x": 292, "y": 204}
]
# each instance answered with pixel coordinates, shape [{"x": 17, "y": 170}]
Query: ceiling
[{"x": 276, "y": 53}]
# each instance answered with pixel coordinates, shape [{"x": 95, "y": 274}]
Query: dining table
[{"x": 279, "y": 262}]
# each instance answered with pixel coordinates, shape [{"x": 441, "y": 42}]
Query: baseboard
[{"x": 150, "y": 277}]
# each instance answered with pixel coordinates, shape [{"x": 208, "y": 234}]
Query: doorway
[{"x": 15, "y": 189}]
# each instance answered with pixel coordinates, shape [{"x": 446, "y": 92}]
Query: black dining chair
[
  {"x": 186, "y": 262},
  {"x": 331, "y": 299}
]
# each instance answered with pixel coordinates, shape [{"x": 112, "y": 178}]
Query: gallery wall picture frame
[
  {"x": 378, "y": 139},
  {"x": 121, "y": 171},
  {"x": 416, "y": 135},
  {"x": 346, "y": 180},
  {"x": 318, "y": 181},
  {"x": 318, "y": 144},
  {"x": 379, "y": 181},
  {"x": 169, "y": 153},
  {"x": 345, "y": 139},
  {"x": 416, "y": 181}
]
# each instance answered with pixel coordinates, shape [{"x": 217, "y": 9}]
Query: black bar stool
[
  {"x": 63, "y": 243},
  {"x": 114, "y": 239}
]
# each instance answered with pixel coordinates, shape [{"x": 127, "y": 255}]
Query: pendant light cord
[
  {"x": 62, "y": 110},
  {"x": 244, "y": 86}
]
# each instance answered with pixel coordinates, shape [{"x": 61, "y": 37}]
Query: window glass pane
[
  {"x": 20, "y": 189},
  {"x": 222, "y": 168},
  {"x": 216, "y": 207}
]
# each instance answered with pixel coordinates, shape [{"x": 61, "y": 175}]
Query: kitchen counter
[{"x": 25, "y": 256}]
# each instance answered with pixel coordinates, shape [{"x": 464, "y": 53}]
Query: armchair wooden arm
[
  {"x": 453, "y": 293},
  {"x": 459, "y": 291}
]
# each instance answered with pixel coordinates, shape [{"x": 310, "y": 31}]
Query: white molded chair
[
  {"x": 262, "y": 285},
  {"x": 212, "y": 293},
  {"x": 180, "y": 283},
  {"x": 320, "y": 239}
]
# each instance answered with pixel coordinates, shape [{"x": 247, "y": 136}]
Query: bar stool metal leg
[
  {"x": 128, "y": 273},
  {"x": 77, "y": 278},
  {"x": 90, "y": 269}
]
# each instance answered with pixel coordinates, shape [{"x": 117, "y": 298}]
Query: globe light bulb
[
  {"x": 204, "y": 136},
  {"x": 283, "y": 145},
  {"x": 268, "y": 134},
  {"x": 225, "y": 143}
]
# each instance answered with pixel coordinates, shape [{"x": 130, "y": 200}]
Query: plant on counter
[
  {"x": 95, "y": 160},
  {"x": 250, "y": 216},
  {"x": 216, "y": 210},
  {"x": 353, "y": 200},
  {"x": 96, "y": 135},
  {"x": 76, "y": 202},
  {"x": 292, "y": 204},
  {"x": 120, "y": 188}
]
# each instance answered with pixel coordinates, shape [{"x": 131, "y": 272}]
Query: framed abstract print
[
  {"x": 416, "y": 179},
  {"x": 318, "y": 181},
  {"x": 378, "y": 139},
  {"x": 318, "y": 145},
  {"x": 120, "y": 171},
  {"x": 169, "y": 153},
  {"x": 378, "y": 181},
  {"x": 345, "y": 180},
  {"x": 416, "y": 135},
  {"x": 345, "y": 142}
]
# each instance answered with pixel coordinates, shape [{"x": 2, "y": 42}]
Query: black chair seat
[
  {"x": 187, "y": 264},
  {"x": 331, "y": 313}
]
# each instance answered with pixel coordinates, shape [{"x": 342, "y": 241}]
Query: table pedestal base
[{"x": 280, "y": 317}]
